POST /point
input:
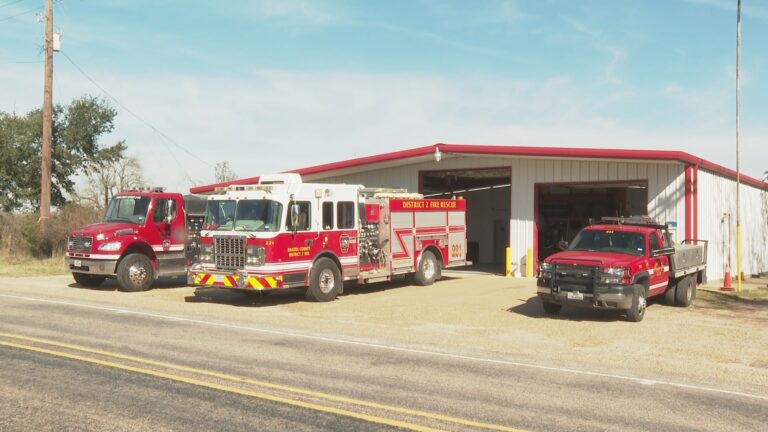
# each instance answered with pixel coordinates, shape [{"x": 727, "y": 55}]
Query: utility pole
[
  {"x": 45, "y": 151},
  {"x": 738, "y": 171}
]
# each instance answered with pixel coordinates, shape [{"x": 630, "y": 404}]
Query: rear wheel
[
  {"x": 428, "y": 271},
  {"x": 324, "y": 281},
  {"x": 637, "y": 311},
  {"x": 686, "y": 291},
  {"x": 551, "y": 308},
  {"x": 88, "y": 280},
  {"x": 135, "y": 273},
  {"x": 669, "y": 294}
]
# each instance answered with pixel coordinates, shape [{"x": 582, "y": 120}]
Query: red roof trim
[{"x": 591, "y": 153}]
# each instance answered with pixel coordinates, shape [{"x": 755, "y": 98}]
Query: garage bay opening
[
  {"x": 487, "y": 192},
  {"x": 563, "y": 209}
]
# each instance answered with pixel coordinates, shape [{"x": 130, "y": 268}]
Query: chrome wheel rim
[
  {"x": 641, "y": 305},
  {"x": 327, "y": 281},
  {"x": 137, "y": 273},
  {"x": 428, "y": 268}
]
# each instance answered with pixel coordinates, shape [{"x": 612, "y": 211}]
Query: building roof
[{"x": 426, "y": 153}]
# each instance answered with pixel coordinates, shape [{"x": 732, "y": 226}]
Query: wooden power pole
[{"x": 45, "y": 151}]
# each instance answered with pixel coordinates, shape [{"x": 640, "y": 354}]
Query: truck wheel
[
  {"x": 429, "y": 270},
  {"x": 551, "y": 308},
  {"x": 87, "y": 280},
  {"x": 324, "y": 281},
  {"x": 637, "y": 311},
  {"x": 686, "y": 291},
  {"x": 135, "y": 273},
  {"x": 669, "y": 294}
]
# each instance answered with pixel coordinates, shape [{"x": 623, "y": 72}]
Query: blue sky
[{"x": 275, "y": 85}]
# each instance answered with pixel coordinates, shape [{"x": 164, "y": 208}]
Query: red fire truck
[
  {"x": 145, "y": 234},
  {"x": 282, "y": 233}
]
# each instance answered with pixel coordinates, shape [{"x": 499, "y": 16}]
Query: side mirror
[
  {"x": 294, "y": 216},
  {"x": 562, "y": 245},
  {"x": 663, "y": 251},
  {"x": 169, "y": 213}
]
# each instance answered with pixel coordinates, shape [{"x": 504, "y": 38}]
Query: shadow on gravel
[
  {"x": 111, "y": 284},
  {"x": 532, "y": 308},
  {"x": 731, "y": 304},
  {"x": 288, "y": 295}
]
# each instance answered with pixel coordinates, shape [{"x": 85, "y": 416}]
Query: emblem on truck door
[{"x": 344, "y": 243}]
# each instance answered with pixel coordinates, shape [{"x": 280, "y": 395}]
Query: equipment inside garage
[
  {"x": 563, "y": 209},
  {"x": 488, "y": 207}
]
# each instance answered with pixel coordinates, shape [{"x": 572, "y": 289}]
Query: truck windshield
[
  {"x": 609, "y": 241},
  {"x": 258, "y": 215},
  {"x": 219, "y": 215},
  {"x": 131, "y": 209}
]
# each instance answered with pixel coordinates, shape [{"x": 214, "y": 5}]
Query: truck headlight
[
  {"x": 109, "y": 247},
  {"x": 545, "y": 269},
  {"x": 616, "y": 275},
  {"x": 256, "y": 255},
  {"x": 206, "y": 253}
]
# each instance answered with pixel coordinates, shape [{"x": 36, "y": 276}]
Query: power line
[
  {"x": 22, "y": 13},
  {"x": 10, "y": 3},
  {"x": 146, "y": 123},
  {"x": 21, "y": 62}
]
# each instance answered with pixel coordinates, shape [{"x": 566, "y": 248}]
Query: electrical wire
[
  {"x": 10, "y": 3},
  {"x": 21, "y": 13},
  {"x": 129, "y": 111}
]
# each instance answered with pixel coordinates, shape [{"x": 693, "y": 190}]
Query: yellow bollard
[
  {"x": 508, "y": 264},
  {"x": 529, "y": 263}
]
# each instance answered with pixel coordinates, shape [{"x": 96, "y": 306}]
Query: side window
[
  {"x": 327, "y": 215},
  {"x": 163, "y": 208},
  {"x": 653, "y": 242},
  {"x": 304, "y": 216},
  {"x": 345, "y": 213}
]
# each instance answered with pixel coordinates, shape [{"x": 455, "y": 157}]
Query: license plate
[
  {"x": 77, "y": 263},
  {"x": 575, "y": 295}
]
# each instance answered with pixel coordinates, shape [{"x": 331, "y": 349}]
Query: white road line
[{"x": 641, "y": 381}]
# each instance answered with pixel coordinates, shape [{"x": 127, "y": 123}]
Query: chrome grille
[
  {"x": 229, "y": 252},
  {"x": 79, "y": 244}
]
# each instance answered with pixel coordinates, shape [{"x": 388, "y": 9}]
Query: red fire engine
[{"x": 282, "y": 233}]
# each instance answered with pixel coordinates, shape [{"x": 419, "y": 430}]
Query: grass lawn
[{"x": 13, "y": 266}]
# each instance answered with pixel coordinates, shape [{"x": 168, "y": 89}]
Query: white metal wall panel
[{"x": 717, "y": 196}]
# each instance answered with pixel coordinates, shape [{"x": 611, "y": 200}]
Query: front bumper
[
  {"x": 104, "y": 267},
  {"x": 612, "y": 296},
  {"x": 235, "y": 280}
]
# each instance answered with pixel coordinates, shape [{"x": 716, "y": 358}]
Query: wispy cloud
[
  {"x": 304, "y": 10},
  {"x": 616, "y": 54},
  {"x": 730, "y": 5},
  {"x": 442, "y": 40}
]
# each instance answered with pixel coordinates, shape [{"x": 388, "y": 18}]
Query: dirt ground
[{"x": 719, "y": 339}]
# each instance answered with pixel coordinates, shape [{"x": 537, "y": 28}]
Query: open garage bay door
[
  {"x": 488, "y": 209},
  {"x": 563, "y": 209}
]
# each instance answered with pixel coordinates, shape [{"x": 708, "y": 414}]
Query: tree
[
  {"x": 77, "y": 129},
  {"x": 223, "y": 173},
  {"x": 108, "y": 178}
]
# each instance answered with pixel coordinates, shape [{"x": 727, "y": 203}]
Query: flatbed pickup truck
[{"x": 620, "y": 263}]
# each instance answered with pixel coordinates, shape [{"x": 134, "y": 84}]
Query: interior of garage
[
  {"x": 487, "y": 192},
  {"x": 563, "y": 209}
]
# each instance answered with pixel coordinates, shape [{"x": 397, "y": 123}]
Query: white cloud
[{"x": 280, "y": 120}]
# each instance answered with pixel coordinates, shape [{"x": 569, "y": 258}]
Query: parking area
[{"x": 720, "y": 338}]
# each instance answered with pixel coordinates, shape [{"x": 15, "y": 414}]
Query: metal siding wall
[
  {"x": 666, "y": 194},
  {"x": 717, "y": 195}
]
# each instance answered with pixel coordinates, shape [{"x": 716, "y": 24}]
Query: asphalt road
[{"x": 76, "y": 364}]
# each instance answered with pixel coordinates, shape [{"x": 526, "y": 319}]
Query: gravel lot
[{"x": 720, "y": 340}]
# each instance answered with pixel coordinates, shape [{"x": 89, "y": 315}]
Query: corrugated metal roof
[{"x": 402, "y": 157}]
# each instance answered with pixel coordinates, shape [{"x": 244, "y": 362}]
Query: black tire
[
  {"x": 88, "y": 280},
  {"x": 670, "y": 293},
  {"x": 324, "y": 281},
  {"x": 429, "y": 270},
  {"x": 135, "y": 273},
  {"x": 686, "y": 291},
  {"x": 636, "y": 313},
  {"x": 551, "y": 308}
]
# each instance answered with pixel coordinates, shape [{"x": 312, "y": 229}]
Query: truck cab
[
  {"x": 145, "y": 234},
  {"x": 619, "y": 264}
]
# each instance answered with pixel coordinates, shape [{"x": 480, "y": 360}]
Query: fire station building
[{"x": 529, "y": 198}]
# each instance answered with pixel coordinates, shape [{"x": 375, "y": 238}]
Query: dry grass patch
[{"x": 21, "y": 267}]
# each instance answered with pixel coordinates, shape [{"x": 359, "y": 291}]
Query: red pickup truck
[{"x": 618, "y": 265}]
